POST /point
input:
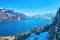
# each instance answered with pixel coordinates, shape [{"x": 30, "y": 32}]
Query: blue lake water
[{"x": 15, "y": 28}]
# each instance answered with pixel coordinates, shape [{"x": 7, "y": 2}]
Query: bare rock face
[
  {"x": 10, "y": 16},
  {"x": 54, "y": 32},
  {"x": 57, "y": 18}
]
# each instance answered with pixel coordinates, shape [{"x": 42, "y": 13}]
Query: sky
[{"x": 31, "y": 7}]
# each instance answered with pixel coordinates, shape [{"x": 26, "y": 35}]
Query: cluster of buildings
[{"x": 7, "y": 37}]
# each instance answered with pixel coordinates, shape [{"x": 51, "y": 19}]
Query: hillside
[
  {"x": 11, "y": 16},
  {"x": 53, "y": 31}
]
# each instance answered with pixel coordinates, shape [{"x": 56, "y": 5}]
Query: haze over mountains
[
  {"x": 44, "y": 16},
  {"x": 11, "y": 16}
]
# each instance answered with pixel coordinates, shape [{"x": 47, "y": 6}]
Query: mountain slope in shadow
[{"x": 53, "y": 30}]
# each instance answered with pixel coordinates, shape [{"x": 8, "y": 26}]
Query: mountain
[
  {"x": 52, "y": 29},
  {"x": 11, "y": 16},
  {"x": 54, "y": 32},
  {"x": 44, "y": 16}
]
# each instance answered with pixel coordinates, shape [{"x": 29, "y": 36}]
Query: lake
[{"x": 14, "y": 28}]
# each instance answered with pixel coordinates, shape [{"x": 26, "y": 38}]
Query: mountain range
[
  {"x": 48, "y": 16},
  {"x": 11, "y": 16}
]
